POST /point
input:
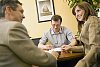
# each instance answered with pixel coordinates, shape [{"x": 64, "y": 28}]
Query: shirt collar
[{"x": 60, "y": 32}]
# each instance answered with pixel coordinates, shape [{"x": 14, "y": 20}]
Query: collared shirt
[{"x": 64, "y": 36}]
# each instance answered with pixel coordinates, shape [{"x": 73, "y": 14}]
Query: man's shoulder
[
  {"x": 15, "y": 23},
  {"x": 12, "y": 24},
  {"x": 64, "y": 28},
  {"x": 7, "y": 24},
  {"x": 48, "y": 32}
]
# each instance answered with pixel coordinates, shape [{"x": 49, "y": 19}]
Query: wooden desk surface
[{"x": 68, "y": 56}]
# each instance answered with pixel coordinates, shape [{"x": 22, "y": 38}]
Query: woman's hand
[{"x": 66, "y": 48}]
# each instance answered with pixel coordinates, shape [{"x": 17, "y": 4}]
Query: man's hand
[{"x": 46, "y": 47}]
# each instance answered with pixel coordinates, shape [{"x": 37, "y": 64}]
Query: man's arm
[
  {"x": 42, "y": 43},
  {"x": 70, "y": 37}
]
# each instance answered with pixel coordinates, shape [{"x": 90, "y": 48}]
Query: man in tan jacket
[{"x": 16, "y": 48}]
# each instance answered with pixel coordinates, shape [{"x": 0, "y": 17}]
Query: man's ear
[{"x": 8, "y": 10}]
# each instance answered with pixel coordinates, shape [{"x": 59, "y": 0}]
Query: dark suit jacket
[{"x": 17, "y": 50}]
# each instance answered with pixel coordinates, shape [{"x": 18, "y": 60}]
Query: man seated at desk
[{"x": 57, "y": 35}]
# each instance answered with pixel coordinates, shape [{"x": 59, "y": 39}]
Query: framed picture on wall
[{"x": 45, "y": 10}]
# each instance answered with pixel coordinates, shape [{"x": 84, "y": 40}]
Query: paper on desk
[{"x": 56, "y": 49}]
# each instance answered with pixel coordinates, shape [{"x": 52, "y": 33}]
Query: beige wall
[{"x": 36, "y": 29}]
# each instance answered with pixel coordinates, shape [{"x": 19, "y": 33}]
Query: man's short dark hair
[{"x": 56, "y": 18}]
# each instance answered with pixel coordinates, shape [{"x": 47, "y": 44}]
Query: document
[{"x": 57, "y": 49}]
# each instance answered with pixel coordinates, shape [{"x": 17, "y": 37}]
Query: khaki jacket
[{"x": 17, "y": 50}]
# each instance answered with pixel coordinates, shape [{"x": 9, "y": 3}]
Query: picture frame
[{"x": 45, "y": 10}]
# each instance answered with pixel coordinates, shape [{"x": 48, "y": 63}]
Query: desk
[
  {"x": 69, "y": 59},
  {"x": 67, "y": 56}
]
